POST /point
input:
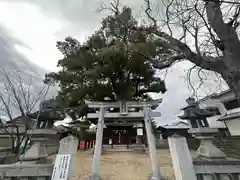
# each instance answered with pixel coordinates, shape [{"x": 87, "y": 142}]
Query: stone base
[
  {"x": 208, "y": 150},
  {"x": 155, "y": 178},
  {"x": 94, "y": 177},
  {"x": 140, "y": 150}
]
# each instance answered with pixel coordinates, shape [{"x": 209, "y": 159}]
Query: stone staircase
[
  {"x": 230, "y": 145},
  {"x": 138, "y": 148},
  {"x": 116, "y": 148},
  {"x": 124, "y": 148}
]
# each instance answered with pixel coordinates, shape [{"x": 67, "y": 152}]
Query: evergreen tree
[{"x": 113, "y": 64}]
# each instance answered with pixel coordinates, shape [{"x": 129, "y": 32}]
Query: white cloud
[
  {"x": 37, "y": 31},
  {"x": 39, "y": 24}
]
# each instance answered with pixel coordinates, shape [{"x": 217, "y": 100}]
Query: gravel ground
[{"x": 123, "y": 165}]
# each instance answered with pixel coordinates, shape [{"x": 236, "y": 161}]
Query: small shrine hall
[{"x": 124, "y": 127}]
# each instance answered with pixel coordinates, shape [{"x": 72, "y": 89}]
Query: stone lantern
[
  {"x": 195, "y": 116},
  {"x": 200, "y": 129}
]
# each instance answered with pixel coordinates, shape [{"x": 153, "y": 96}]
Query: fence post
[
  {"x": 224, "y": 177},
  {"x": 207, "y": 177},
  {"x": 65, "y": 160},
  {"x": 181, "y": 158}
]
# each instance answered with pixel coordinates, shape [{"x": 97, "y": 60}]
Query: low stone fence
[
  {"x": 5, "y": 151},
  {"x": 5, "y": 141},
  {"x": 189, "y": 167},
  {"x": 32, "y": 170},
  {"x": 26, "y": 171},
  {"x": 47, "y": 146},
  {"x": 230, "y": 145}
]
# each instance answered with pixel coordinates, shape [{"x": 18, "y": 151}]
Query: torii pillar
[
  {"x": 98, "y": 148},
  {"x": 151, "y": 145}
]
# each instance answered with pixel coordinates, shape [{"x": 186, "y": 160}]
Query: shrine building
[{"x": 123, "y": 125}]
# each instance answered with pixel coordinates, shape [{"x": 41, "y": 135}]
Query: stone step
[
  {"x": 119, "y": 150},
  {"x": 124, "y": 148}
]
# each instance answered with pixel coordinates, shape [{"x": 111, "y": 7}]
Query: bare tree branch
[{"x": 20, "y": 94}]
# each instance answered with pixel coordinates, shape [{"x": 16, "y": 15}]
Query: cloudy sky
[{"x": 38, "y": 24}]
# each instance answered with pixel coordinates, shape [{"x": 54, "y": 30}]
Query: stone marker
[
  {"x": 181, "y": 158},
  {"x": 64, "y": 163},
  {"x": 61, "y": 167}
]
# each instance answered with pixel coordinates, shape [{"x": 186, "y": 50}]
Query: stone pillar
[
  {"x": 181, "y": 158},
  {"x": 64, "y": 165},
  {"x": 152, "y": 147},
  {"x": 98, "y": 148}
]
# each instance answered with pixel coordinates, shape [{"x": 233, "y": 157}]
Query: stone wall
[
  {"x": 47, "y": 146},
  {"x": 5, "y": 141},
  {"x": 230, "y": 145},
  {"x": 193, "y": 144}
]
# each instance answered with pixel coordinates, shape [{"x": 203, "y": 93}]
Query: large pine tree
[{"x": 113, "y": 64}]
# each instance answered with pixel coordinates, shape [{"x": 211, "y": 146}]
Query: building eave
[{"x": 230, "y": 116}]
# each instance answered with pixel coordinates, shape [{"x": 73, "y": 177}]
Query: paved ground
[{"x": 123, "y": 165}]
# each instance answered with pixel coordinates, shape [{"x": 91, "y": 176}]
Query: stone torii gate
[{"x": 146, "y": 114}]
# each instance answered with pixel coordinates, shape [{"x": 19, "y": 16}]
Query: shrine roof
[
  {"x": 187, "y": 107},
  {"x": 175, "y": 125},
  {"x": 46, "y": 115}
]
